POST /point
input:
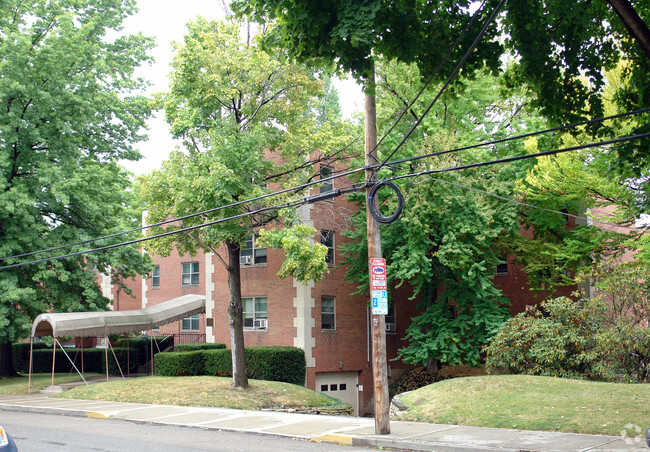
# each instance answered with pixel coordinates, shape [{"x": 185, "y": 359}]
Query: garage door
[{"x": 342, "y": 385}]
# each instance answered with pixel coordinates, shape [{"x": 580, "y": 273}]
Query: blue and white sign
[{"x": 379, "y": 302}]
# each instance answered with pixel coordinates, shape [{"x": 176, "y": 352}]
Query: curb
[{"x": 342, "y": 440}]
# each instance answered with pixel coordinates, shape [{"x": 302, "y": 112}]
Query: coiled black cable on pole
[{"x": 374, "y": 206}]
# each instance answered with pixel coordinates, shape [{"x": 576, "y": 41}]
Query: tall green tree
[
  {"x": 452, "y": 233},
  {"x": 69, "y": 110},
  {"x": 241, "y": 113}
]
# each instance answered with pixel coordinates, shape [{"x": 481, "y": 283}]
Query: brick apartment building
[{"x": 332, "y": 326}]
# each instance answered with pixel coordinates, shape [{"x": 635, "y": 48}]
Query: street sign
[
  {"x": 378, "y": 289},
  {"x": 378, "y": 274},
  {"x": 379, "y": 302}
]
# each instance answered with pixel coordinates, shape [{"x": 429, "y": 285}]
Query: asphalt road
[{"x": 35, "y": 432}]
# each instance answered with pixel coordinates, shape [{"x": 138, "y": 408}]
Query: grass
[
  {"x": 18, "y": 385},
  {"x": 204, "y": 391},
  {"x": 532, "y": 403}
]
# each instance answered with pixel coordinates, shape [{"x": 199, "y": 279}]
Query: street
[{"x": 35, "y": 432}]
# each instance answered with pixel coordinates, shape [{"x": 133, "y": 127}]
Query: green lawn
[
  {"x": 535, "y": 403},
  {"x": 39, "y": 381},
  {"x": 204, "y": 391}
]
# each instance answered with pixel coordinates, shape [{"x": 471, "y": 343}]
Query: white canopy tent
[{"x": 105, "y": 323}]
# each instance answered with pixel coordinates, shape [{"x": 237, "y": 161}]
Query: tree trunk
[
  {"x": 6, "y": 361},
  {"x": 236, "y": 318}
]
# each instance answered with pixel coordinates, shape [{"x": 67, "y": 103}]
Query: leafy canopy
[{"x": 69, "y": 110}]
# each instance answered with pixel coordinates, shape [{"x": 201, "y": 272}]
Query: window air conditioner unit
[
  {"x": 260, "y": 324},
  {"x": 245, "y": 260},
  {"x": 390, "y": 327}
]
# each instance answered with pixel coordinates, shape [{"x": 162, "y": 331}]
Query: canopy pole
[
  {"x": 116, "y": 361},
  {"x": 29, "y": 378},
  {"x": 71, "y": 361},
  {"x": 128, "y": 361},
  {"x": 151, "y": 349},
  {"x": 53, "y": 361},
  {"x": 106, "y": 355}
]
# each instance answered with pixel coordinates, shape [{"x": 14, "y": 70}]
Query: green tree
[
  {"x": 452, "y": 233},
  {"x": 69, "y": 110},
  {"x": 239, "y": 112}
]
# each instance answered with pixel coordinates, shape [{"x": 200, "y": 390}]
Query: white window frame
[
  {"x": 193, "y": 274},
  {"x": 190, "y": 321},
  {"x": 155, "y": 277},
  {"x": 326, "y": 237},
  {"x": 324, "y": 173},
  {"x": 331, "y": 313},
  {"x": 257, "y": 256},
  {"x": 255, "y": 318}
]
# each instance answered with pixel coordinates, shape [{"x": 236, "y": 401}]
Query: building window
[
  {"x": 327, "y": 313},
  {"x": 190, "y": 323},
  {"x": 255, "y": 313},
  {"x": 155, "y": 277},
  {"x": 502, "y": 266},
  {"x": 250, "y": 254},
  {"x": 327, "y": 239},
  {"x": 326, "y": 172},
  {"x": 190, "y": 275}
]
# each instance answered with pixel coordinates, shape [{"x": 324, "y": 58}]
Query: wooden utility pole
[{"x": 378, "y": 322}]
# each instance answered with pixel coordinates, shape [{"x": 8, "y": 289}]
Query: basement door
[{"x": 342, "y": 385}]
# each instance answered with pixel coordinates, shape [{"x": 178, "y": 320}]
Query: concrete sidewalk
[{"x": 338, "y": 429}]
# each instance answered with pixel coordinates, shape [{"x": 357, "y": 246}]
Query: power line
[
  {"x": 522, "y": 157},
  {"x": 333, "y": 193},
  {"x": 286, "y": 205},
  {"x": 515, "y": 201},
  {"x": 432, "y": 77},
  {"x": 173, "y": 220},
  {"x": 518, "y": 137},
  {"x": 342, "y": 174},
  {"x": 447, "y": 83}
]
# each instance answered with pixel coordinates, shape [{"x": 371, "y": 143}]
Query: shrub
[
  {"x": 412, "y": 380},
  {"x": 139, "y": 346},
  {"x": 176, "y": 364},
  {"x": 285, "y": 364},
  {"x": 218, "y": 362},
  {"x": 202, "y": 346},
  {"x": 624, "y": 351},
  {"x": 558, "y": 340},
  {"x": 94, "y": 360},
  {"x": 20, "y": 354}
]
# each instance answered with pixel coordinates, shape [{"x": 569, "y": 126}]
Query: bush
[
  {"x": 94, "y": 360},
  {"x": 559, "y": 341},
  {"x": 218, "y": 362},
  {"x": 139, "y": 346},
  {"x": 624, "y": 351},
  {"x": 202, "y": 346},
  {"x": 20, "y": 354},
  {"x": 177, "y": 364},
  {"x": 412, "y": 380},
  {"x": 420, "y": 376},
  {"x": 285, "y": 364}
]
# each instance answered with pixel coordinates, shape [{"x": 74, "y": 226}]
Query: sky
[{"x": 165, "y": 21}]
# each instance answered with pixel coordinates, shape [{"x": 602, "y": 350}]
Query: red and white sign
[{"x": 377, "y": 274}]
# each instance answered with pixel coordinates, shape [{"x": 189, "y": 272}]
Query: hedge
[
  {"x": 94, "y": 360},
  {"x": 20, "y": 354},
  {"x": 276, "y": 364},
  {"x": 177, "y": 364},
  {"x": 285, "y": 364},
  {"x": 201, "y": 346}
]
